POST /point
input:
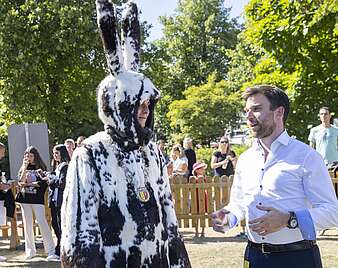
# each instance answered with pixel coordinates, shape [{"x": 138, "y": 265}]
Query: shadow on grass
[
  {"x": 204, "y": 240},
  {"x": 190, "y": 238},
  {"x": 327, "y": 238}
]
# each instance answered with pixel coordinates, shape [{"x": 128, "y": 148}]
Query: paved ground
[{"x": 213, "y": 250}]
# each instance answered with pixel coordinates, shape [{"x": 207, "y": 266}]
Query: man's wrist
[{"x": 292, "y": 222}]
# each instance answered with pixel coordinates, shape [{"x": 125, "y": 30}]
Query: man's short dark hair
[
  {"x": 275, "y": 95},
  {"x": 325, "y": 108}
]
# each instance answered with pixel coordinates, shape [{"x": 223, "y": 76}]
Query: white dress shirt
[{"x": 293, "y": 178}]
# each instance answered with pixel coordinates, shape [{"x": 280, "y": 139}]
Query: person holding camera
[{"x": 31, "y": 198}]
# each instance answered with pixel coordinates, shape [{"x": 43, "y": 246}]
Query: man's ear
[{"x": 279, "y": 113}]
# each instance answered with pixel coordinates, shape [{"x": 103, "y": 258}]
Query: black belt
[{"x": 271, "y": 248}]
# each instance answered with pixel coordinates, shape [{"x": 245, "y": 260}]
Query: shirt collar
[{"x": 282, "y": 139}]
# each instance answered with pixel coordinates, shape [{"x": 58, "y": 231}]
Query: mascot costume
[{"x": 118, "y": 209}]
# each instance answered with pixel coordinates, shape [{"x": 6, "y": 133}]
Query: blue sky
[{"x": 152, "y": 9}]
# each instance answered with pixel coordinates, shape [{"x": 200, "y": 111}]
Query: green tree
[
  {"x": 205, "y": 111},
  {"x": 51, "y": 63},
  {"x": 193, "y": 47},
  {"x": 300, "y": 37},
  {"x": 194, "y": 43}
]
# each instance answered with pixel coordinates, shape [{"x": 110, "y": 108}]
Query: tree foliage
[
  {"x": 51, "y": 63},
  {"x": 194, "y": 41},
  {"x": 205, "y": 111},
  {"x": 300, "y": 37},
  {"x": 193, "y": 47}
]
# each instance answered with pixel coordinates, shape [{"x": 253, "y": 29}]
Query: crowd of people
[
  {"x": 112, "y": 206},
  {"x": 181, "y": 159},
  {"x": 33, "y": 180}
]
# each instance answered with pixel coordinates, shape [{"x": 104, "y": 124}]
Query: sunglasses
[{"x": 224, "y": 142}]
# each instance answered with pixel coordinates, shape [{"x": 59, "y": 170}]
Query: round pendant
[{"x": 143, "y": 194}]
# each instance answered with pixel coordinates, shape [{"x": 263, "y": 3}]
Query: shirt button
[
  {"x": 260, "y": 203},
  {"x": 263, "y": 238},
  {"x": 261, "y": 186},
  {"x": 262, "y": 169}
]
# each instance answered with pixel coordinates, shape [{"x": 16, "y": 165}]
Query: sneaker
[
  {"x": 2, "y": 258},
  {"x": 52, "y": 257}
]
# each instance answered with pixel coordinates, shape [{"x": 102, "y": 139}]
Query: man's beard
[{"x": 264, "y": 130}]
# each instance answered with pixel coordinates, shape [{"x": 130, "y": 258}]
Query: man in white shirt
[
  {"x": 281, "y": 187},
  {"x": 324, "y": 137}
]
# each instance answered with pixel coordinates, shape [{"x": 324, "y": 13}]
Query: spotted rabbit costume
[{"x": 117, "y": 209}]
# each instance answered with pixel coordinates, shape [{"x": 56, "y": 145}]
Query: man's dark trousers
[{"x": 307, "y": 258}]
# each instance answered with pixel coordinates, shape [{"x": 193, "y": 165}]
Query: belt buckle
[{"x": 263, "y": 249}]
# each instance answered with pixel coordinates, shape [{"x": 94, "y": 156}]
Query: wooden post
[
  {"x": 14, "y": 240},
  {"x": 193, "y": 191},
  {"x": 218, "y": 204},
  {"x": 185, "y": 204},
  {"x": 210, "y": 203},
  {"x": 201, "y": 198},
  {"x": 225, "y": 190}
]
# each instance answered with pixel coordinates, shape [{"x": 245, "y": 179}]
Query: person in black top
[
  {"x": 31, "y": 193},
  {"x": 57, "y": 183},
  {"x": 224, "y": 160},
  {"x": 190, "y": 154},
  {"x": 6, "y": 194}
]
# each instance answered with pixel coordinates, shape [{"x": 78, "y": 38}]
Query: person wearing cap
[
  {"x": 281, "y": 187},
  {"x": 198, "y": 171}
]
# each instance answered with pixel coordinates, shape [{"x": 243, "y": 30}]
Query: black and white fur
[{"x": 104, "y": 223}]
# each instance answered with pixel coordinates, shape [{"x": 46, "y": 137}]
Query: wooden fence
[
  {"x": 197, "y": 198},
  {"x": 194, "y": 202}
]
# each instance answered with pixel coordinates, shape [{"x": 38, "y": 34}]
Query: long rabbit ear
[
  {"x": 106, "y": 21},
  {"x": 131, "y": 36}
]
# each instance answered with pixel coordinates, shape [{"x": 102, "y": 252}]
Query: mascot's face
[
  {"x": 122, "y": 92},
  {"x": 143, "y": 113}
]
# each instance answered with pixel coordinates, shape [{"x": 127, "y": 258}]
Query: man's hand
[
  {"x": 220, "y": 221},
  {"x": 271, "y": 222}
]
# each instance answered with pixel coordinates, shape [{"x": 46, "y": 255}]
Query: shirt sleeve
[
  {"x": 311, "y": 137},
  {"x": 320, "y": 193},
  {"x": 305, "y": 224},
  {"x": 236, "y": 205},
  {"x": 232, "y": 221}
]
